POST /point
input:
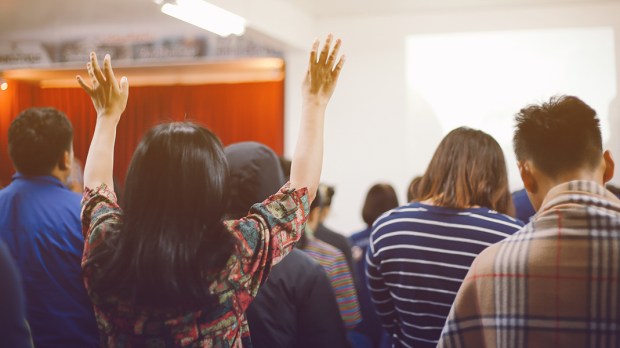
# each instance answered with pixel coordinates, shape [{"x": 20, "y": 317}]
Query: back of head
[
  {"x": 468, "y": 169},
  {"x": 172, "y": 235},
  {"x": 327, "y": 194},
  {"x": 38, "y": 138},
  {"x": 558, "y": 136},
  {"x": 379, "y": 199},
  {"x": 255, "y": 174},
  {"x": 313, "y": 216}
]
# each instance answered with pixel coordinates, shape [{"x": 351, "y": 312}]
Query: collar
[
  {"x": 581, "y": 192},
  {"x": 43, "y": 179}
]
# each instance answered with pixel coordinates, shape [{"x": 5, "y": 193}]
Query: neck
[
  {"x": 546, "y": 183},
  {"x": 59, "y": 174}
]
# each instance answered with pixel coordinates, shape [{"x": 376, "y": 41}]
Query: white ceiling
[
  {"x": 364, "y": 7},
  {"x": 27, "y": 15}
]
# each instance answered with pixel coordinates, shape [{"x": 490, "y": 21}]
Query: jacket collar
[{"x": 580, "y": 192}]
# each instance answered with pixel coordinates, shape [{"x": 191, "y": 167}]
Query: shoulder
[
  {"x": 361, "y": 237},
  {"x": 403, "y": 213},
  {"x": 331, "y": 237},
  {"x": 322, "y": 247},
  {"x": 70, "y": 199},
  {"x": 301, "y": 262},
  {"x": 489, "y": 218}
]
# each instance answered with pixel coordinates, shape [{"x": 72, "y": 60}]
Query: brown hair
[
  {"x": 414, "y": 187},
  {"x": 560, "y": 135},
  {"x": 379, "y": 199},
  {"x": 468, "y": 169}
]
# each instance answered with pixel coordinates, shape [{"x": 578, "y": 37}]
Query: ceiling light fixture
[{"x": 206, "y": 16}]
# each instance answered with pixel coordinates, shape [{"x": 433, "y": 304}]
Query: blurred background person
[
  {"x": 329, "y": 236},
  {"x": 14, "y": 331},
  {"x": 335, "y": 265},
  {"x": 379, "y": 199}
]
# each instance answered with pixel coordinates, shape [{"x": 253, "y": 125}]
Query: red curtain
[{"x": 235, "y": 112}]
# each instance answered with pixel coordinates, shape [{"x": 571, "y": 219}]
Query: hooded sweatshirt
[{"x": 296, "y": 306}]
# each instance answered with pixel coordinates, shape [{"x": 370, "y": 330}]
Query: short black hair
[
  {"x": 38, "y": 138},
  {"x": 379, "y": 199},
  {"x": 560, "y": 135}
]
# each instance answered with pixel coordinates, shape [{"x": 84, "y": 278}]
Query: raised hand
[
  {"x": 317, "y": 89},
  {"x": 108, "y": 96},
  {"x": 323, "y": 72}
]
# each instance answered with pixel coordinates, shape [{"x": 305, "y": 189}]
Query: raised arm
[
  {"x": 317, "y": 89},
  {"x": 109, "y": 99}
]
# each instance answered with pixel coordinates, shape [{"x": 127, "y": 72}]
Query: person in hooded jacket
[{"x": 296, "y": 307}]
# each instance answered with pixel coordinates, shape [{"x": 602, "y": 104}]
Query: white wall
[{"x": 370, "y": 135}]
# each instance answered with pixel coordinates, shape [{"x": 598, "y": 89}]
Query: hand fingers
[
  {"x": 338, "y": 68},
  {"x": 96, "y": 69},
  {"x": 313, "y": 52},
  {"x": 124, "y": 85},
  {"x": 334, "y": 54},
  {"x": 91, "y": 73},
  {"x": 84, "y": 86},
  {"x": 325, "y": 50},
  {"x": 109, "y": 73}
]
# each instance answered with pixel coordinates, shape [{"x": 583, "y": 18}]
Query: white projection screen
[{"x": 482, "y": 79}]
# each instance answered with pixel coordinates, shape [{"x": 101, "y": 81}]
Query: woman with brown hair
[{"x": 419, "y": 253}]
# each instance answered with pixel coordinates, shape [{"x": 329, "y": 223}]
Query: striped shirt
[
  {"x": 335, "y": 265},
  {"x": 418, "y": 257},
  {"x": 555, "y": 283}
]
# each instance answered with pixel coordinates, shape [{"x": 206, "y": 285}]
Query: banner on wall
[{"x": 132, "y": 49}]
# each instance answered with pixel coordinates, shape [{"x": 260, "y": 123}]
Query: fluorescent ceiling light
[{"x": 206, "y": 16}]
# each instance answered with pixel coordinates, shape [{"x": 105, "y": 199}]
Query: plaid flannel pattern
[{"x": 552, "y": 284}]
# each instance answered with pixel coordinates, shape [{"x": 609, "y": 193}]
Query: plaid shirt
[
  {"x": 266, "y": 235},
  {"x": 552, "y": 284}
]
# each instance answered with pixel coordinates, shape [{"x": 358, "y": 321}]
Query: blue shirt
[
  {"x": 14, "y": 331},
  {"x": 370, "y": 325},
  {"x": 418, "y": 257},
  {"x": 40, "y": 224},
  {"x": 523, "y": 207}
]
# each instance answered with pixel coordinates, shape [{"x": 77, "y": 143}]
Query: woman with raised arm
[{"x": 165, "y": 270}]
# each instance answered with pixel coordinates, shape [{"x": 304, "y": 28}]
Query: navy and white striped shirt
[{"x": 419, "y": 254}]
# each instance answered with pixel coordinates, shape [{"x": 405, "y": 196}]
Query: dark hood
[{"x": 255, "y": 174}]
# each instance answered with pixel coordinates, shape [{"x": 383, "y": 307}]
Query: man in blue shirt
[{"x": 40, "y": 224}]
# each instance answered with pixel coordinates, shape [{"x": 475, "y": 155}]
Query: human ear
[
  {"x": 65, "y": 161},
  {"x": 529, "y": 181},
  {"x": 608, "y": 161}
]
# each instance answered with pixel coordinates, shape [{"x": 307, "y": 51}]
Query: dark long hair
[
  {"x": 172, "y": 242},
  {"x": 467, "y": 169}
]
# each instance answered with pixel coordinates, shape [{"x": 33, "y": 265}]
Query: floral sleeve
[
  {"x": 267, "y": 234},
  {"x": 101, "y": 216}
]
